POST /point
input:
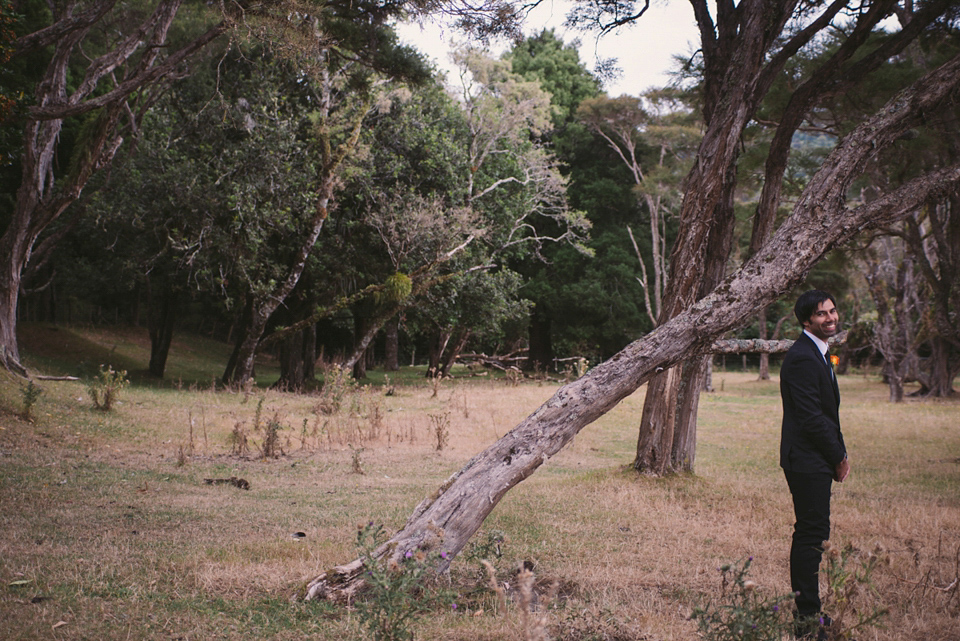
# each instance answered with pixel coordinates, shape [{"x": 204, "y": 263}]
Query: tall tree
[
  {"x": 630, "y": 125},
  {"x": 127, "y": 54},
  {"x": 744, "y": 49},
  {"x": 584, "y": 303},
  {"x": 503, "y": 189}
]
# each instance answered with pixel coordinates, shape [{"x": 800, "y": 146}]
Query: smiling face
[{"x": 824, "y": 320}]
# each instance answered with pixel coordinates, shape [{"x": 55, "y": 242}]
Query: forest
[{"x": 334, "y": 197}]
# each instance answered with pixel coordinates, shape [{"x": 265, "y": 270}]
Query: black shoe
[{"x": 812, "y": 628}]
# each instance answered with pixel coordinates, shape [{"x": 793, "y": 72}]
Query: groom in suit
[{"x": 812, "y": 453}]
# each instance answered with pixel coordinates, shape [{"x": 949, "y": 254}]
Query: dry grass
[{"x": 109, "y": 531}]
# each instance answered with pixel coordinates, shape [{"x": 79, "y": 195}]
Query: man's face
[{"x": 823, "y": 322}]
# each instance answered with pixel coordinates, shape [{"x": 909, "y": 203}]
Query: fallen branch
[{"x": 760, "y": 346}]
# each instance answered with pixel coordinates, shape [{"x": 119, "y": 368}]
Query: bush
[
  {"x": 106, "y": 387},
  {"x": 397, "y": 593},
  {"x": 744, "y": 614},
  {"x": 29, "y": 393}
]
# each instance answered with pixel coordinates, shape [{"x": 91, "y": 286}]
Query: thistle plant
[
  {"x": 850, "y": 591},
  {"x": 397, "y": 592},
  {"x": 744, "y": 613}
]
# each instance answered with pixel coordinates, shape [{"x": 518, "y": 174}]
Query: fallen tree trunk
[
  {"x": 820, "y": 221},
  {"x": 763, "y": 346}
]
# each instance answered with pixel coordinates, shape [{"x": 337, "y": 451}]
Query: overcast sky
[{"x": 644, "y": 51}]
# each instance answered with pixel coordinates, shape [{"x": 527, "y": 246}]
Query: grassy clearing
[{"x": 110, "y": 532}]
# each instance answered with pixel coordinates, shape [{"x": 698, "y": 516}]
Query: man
[{"x": 812, "y": 452}]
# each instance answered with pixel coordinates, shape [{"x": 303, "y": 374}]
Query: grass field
[{"x": 110, "y": 532}]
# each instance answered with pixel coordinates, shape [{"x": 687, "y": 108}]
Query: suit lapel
[{"x": 826, "y": 367}]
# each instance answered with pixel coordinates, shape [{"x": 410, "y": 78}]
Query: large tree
[
  {"x": 105, "y": 61},
  {"x": 744, "y": 51},
  {"x": 822, "y": 218}
]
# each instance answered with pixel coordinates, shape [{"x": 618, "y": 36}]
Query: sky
[{"x": 644, "y": 51}]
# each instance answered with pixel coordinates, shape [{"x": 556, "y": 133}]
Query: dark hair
[{"x": 808, "y": 302}]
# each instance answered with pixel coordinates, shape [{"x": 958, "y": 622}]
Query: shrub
[
  {"x": 29, "y": 393},
  {"x": 106, "y": 387},
  {"x": 745, "y": 613},
  {"x": 397, "y": 593},
  {"x": 851, "y": 600}
]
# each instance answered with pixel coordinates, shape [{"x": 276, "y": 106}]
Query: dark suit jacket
[{"x": 810, "y": 440}]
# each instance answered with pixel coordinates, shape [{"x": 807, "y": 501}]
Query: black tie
[{"x": 829, "y": 362}]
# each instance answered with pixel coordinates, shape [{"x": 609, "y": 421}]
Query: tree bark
[
  {"x": 292, "y": 376},
  {"x": 310, "y": 352},
  {"x": 540, "y": 354},
  {"x": 764, "y": 374},
  {"x": 438, "y": 343},
  {"x": 363, "y": 333},
  {"x": 450, "y": 357},
  {"x": 391, "y": 352},
  {"x": 162, "y": 318},
  {"x": 820, "y": 221}
]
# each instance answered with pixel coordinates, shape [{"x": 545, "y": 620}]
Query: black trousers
[{"x": 811, "y": 505}]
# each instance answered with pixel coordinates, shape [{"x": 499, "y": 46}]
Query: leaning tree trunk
[
  {"x": 438, "y": 343},
  {"x": 331, "y": 160},
  {"x": 820, "y": 221},
  {"x": 446, "y": 364},
  {"x": 263, "y": 309}
]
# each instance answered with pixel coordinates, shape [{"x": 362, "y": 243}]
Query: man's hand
[{"x": 842, "y": 470}]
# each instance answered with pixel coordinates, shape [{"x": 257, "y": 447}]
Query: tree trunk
[
  {"x": 438, "y": 344},
  {"x": 292, "y": 375},
  {"x": 762, "y": 335},
  {"x": 9, "y": 292},
  {"x": 361, "y": 340},
  {"x": 391, "y": 352},
  {"x": 941, "y": 372},
  {"x": 540, "y": 354},
  {"x": 161, "y": 320},
  {"x": 310, "y": 352},
  {"x": 820, "y": 221},
  {"x": 446, "y": 363},
  {"x": 670, "y": 406},
  {"x": 241, "y": 328}
]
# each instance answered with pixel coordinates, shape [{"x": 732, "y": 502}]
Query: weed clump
[
  {"x": 29, "y": 394},
  {"x": 270, "y": 447},
  {"x": 106, "y": 387},
  {"x": 744, "y": 613},
  {"x": 441, "y": 429},
  {"x": 849, "y": 590},
  {"x": 397, "y": 591}
]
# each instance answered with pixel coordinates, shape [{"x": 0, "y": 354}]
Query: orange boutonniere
[{"x": 834, "y": 360}]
